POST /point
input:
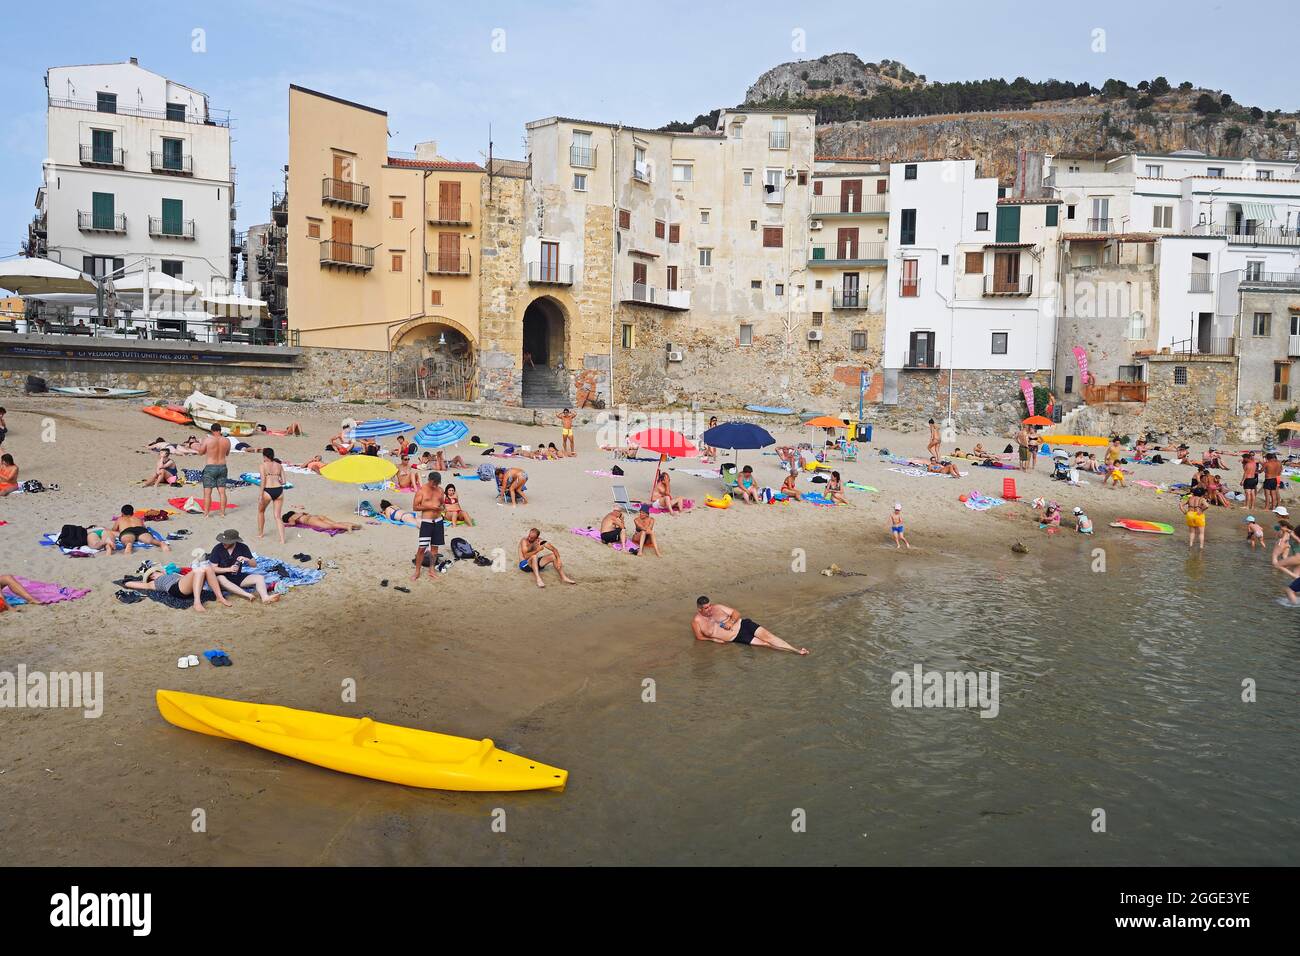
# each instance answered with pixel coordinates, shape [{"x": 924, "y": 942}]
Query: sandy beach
[{"x": 475, "y": 652}]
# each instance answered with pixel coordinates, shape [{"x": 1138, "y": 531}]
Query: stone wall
[
  {"x": 983, "y": 401},
  {"x": 501, "y": 288}
]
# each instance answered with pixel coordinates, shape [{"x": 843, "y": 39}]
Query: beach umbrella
[
  {"x": 1037, "y": 420},
  {"x": 1287, "y": 426},
  {"x": 381, "y": 428},
  {"x": 826, "y": 421},
  {"x": 33, "y": 277},
  {"x": 737, "y": 435},
  {"x": 665, "y": 441},
  {"x": 441, "y": 433},
  {"x": 359, "y": 470}
]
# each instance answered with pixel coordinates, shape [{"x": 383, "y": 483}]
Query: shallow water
[{"x": 1118, "y": 690}]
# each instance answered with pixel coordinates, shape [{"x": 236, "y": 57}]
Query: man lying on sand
[
  {"x": 724, "y": 625},
  {"x": 536, "y": 553},
  {"x": 303, "y": 519},
  {"x": 130, "y": 529}
]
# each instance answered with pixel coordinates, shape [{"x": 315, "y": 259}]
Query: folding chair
[{"x": 621, "y": 499}]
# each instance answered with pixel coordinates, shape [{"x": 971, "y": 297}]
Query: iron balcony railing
[
  {"x": 850, "y": 204},
  {"x": 346, "y": 255},
  {"x": 1269, "y": 279},
  {"x": 550, "y": 273},
  {"x": 1000, "y": 285},
  {"x": 582, "y": 156},
  {"x": 861, "y": 253},
  {"x": 343, "y": 192},
  {"x": 92, "y": 155},
  {"x": 778, "y": 139},
  {"x": 171, "y": 163},
  {"x": 449, "y": 213},
  {"x": 1209, "y": 345},
  {"x": 922, "y": 359},
  {"x": 212, "y": 117},
  {"x": 88, "y": 221},
  {"x": 1101, "y": 225},
  {"x": 171, "y": 228},
  {"x": 849, "y": 299},
  {"x": 447, "y": 263},
  {"x": 1201, "y": 282},
  {"x": 1246, "y": 234}
]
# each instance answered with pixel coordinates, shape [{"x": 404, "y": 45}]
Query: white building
[
  {"x": 138, "y": 166},
  {"x": 971, "y": 277}
]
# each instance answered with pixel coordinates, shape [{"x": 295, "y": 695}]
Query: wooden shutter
[
  {"x": 435, "y": 297},
  {"x": 1008, "y": 229},
  {"x": 672, "y": 277},
  {"x": 882, "y": 185},
  {"x": 397, "y": 262},
  {"x": 659, "y": 228},
  {"x": 974, "y": 263},
  {"x": 399, "y": 208},
  {"x": 638, "y": 273},
  {"x": 851, "y": 195},
  {"x": 449, "y": 200},
  {"x": 624, "y": 219},
  {"x": 846, "y": 243},
  {"x": 772, "y": 237},
  {"x": 101, "y": 206},
  {"x": 340, "y": 249},
  {"x": 675, "y": 233},
  {"x": 817, "y": 187},
  {"x": 173, "y": 215},
  {"x": 448, "y": 252}
]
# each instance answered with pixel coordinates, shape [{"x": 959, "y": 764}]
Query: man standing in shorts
[
  {"x": 1022, "y": 440},
  {"x": 215, "y": 448},
  {"x": 566, "y": 418},
  {"x": 1249, "y": 477},
  {"x": 1272, "y": 480},
  {"x": 724, "y": 625},
  {"x": 428, "y": 505}
]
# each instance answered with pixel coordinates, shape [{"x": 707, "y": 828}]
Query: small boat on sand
[
  {"x": 230, "y": 426},
  {"x": 98, "y": 391}
]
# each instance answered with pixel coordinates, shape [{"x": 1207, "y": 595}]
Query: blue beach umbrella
[
  {"x": 441, "y": 433},
  {"x": 381, "y": 428},
  {"x": 737, "y": 435}
]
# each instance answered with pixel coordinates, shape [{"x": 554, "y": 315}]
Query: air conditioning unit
[
  {"x": 789, "y": 173},
  {"x": 814, "y": 335},
  {"x": 815, "y": 225},
  {"x": 676, "y": 356}
]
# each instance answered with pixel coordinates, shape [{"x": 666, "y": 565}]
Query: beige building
[{"x": 382, "y": 250}]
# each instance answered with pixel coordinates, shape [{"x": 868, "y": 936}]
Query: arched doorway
[
  {"x": 436, "y": 360},
  {"x": 545, "y": 380}
]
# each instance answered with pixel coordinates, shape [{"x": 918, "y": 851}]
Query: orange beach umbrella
[
  {"x": 1037, "y": 420},
  {"x": 826, "y": 421}
]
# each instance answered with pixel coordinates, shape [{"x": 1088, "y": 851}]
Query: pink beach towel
[
  {"x": 595, "y": 536},
  {"x": 45, "y": 592}
]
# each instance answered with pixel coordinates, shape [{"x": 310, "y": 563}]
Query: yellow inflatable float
[
  {"x": 361, "y": 746},
  {"x": 723, "y": 502},
  {"x": 1075, "y": 440}
]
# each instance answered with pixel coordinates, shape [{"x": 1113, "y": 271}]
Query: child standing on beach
[
  {"x": 896, "y": 528},
  {"x": 1254, "y": 532}
]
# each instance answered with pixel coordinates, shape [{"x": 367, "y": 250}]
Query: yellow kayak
[
  {"x": 360, "y": 746},
  {"x": 1075, "y": 440}
]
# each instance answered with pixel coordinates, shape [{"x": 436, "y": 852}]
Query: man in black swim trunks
[
  {"x": 428, "y": 505},
  {"x": 131, "y": 530},
  {"x": 724, "y": 625}
]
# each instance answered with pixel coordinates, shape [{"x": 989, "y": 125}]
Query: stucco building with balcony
[{"x": 381, "y": 249}]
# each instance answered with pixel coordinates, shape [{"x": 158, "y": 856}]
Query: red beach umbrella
[{"x": 665, "y": 441}]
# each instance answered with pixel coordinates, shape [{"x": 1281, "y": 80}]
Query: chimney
[
  {"x": 427, "y": 151},
  {"x": 134, "y": 61}
]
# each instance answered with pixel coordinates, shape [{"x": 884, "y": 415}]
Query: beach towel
[
  {"x": 196, "y": 476},
  {"x": 299, "y": 470},
  {"x": 912, "y": 472},
  {"x": 195, "y": 505},
  {"x": 698, "y": 472},
  {"x": 594, "y": 534},
  {"x": 52, "y": 541},
  {"x": 253, "y": 478},
  {"x": 813, "y": 498},
  {"x": 602, "y": 474},
  {"x": 44, "y": 591},
  {"x": 978, "y": 502},
  {"x": 461, "y": 476},
  {"x": 858, "y": 486}
]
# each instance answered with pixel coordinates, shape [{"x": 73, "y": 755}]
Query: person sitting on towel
[
  {"x": 451, "y": 508},
  {"x": 943, "y": 468},
  {"x": 643, "y": 535},
  {"x": 612, "y": 528},
  {"x": 232, "y": 559},
  {"x": 789, "y": 490}
]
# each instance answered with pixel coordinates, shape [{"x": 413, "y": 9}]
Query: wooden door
[
  {"x": 340, "y": 240},
  {"x": 850, "y": 290},
  {"x": 449, "y": 252},
  {"x": 911, "y": 277},
  {"x": 671, "y": 281},
  {"x": 550, "y": 266},
  {"x": 449, "y": 201},
  {"x": 1006, "y": 272},
  {"x": 846, "y": 243},
  {"x": 851, "y": 195}
]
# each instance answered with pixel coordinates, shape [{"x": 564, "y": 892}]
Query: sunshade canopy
[
  {"x": 26, "y": 276},
  {"x": 441, "y": 433},
  {"x": 381, "y": 428},
  {"x": 826, "y": 421},
  {"x": 1037, "y": 420},
  {"x": 359, "y": 469},
  {"x": 737, "y": 435},
  {"x": 663, "y": 441}
]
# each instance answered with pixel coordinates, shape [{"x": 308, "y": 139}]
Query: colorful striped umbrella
[
  {"x": 442, "y": 433},
  {"x": 381, "y": 428}
]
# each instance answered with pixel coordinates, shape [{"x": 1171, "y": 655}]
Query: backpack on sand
[{"x": 461, "y": 550}]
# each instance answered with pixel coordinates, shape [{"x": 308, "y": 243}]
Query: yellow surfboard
[{"x": 361, "y": 746}]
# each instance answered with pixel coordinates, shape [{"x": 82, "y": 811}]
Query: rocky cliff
[{"x": 835, "y": 73}]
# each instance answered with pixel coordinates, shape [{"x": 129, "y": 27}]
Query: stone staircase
[{"x": 543, "y": 388}]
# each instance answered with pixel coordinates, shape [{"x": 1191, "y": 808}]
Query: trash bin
[{"x": 863, "y": 431}]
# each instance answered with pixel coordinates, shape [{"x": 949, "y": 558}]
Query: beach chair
[
  {"x": 1009, "y": 489},
  {"x": 621, "y": 499},
  {"x": 730, "y": 476}
]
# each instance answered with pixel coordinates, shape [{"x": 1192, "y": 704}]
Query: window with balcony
[
  {"x": 581, "y": 152},
  {"x": 173, "y": 217},
  {"x": 106, "y": 102},
  {"x": 101, "y": 148},
  {"x": 176, "y": 112},
  {"x": 773, "y": 184},
  {"x": 779, "y": 137},
  {"x": 910, "y": 281},
  {"x": 102, "y": 211}
]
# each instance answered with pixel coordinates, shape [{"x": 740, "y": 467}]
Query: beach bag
[
  {"x": 486, "y": 472},
  {"x": 72, "y": 536},
  {"x": 32, "y": 487},
  {"x": 35, "y": 385},
  {"x": 461, "y": 550}
]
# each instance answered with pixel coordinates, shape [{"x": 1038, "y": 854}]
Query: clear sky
[{"x": 445, "y": 71}]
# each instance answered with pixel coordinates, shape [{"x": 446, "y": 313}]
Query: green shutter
[
  {"x": 1052, "y": 212},
  {"x": 173, "y": 212},
  {"x": 1008, "y": 224},
  {"x": 819, "y": 252},
  {"x": 172, "y": 154},
  {"x": 101, "y": 145},
  {"x": 102, "y": 210}
]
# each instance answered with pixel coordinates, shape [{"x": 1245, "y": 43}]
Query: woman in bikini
[
  {"x": 440, "y": 462},
  {"x": 663, "y": 495},
  {"x": 271, "y": 472},
  {"x": 835, "y": 489},
  {"x": 394, "y": 513},
  {"x": 406, "y": 479},
  {"x": 315, "y": 464},
  {"x": 164, "y": 471},
  {"x": 452, "y": 509},
  {"x": 8, "y": 475},
  {"x": 789, "y": 490},
  {"x": 303, "y": 519}
]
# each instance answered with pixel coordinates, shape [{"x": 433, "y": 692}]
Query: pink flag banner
[
  {"x": 1027, "y": 387},
  {"x": 1082, "y": 358}
]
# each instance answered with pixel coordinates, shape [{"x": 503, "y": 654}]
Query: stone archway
[
  {"x": 434, "y": 358},
  {"x": 543, "y": 350}
]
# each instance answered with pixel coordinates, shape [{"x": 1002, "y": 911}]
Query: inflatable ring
[{"x": 723, "y": 502}]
